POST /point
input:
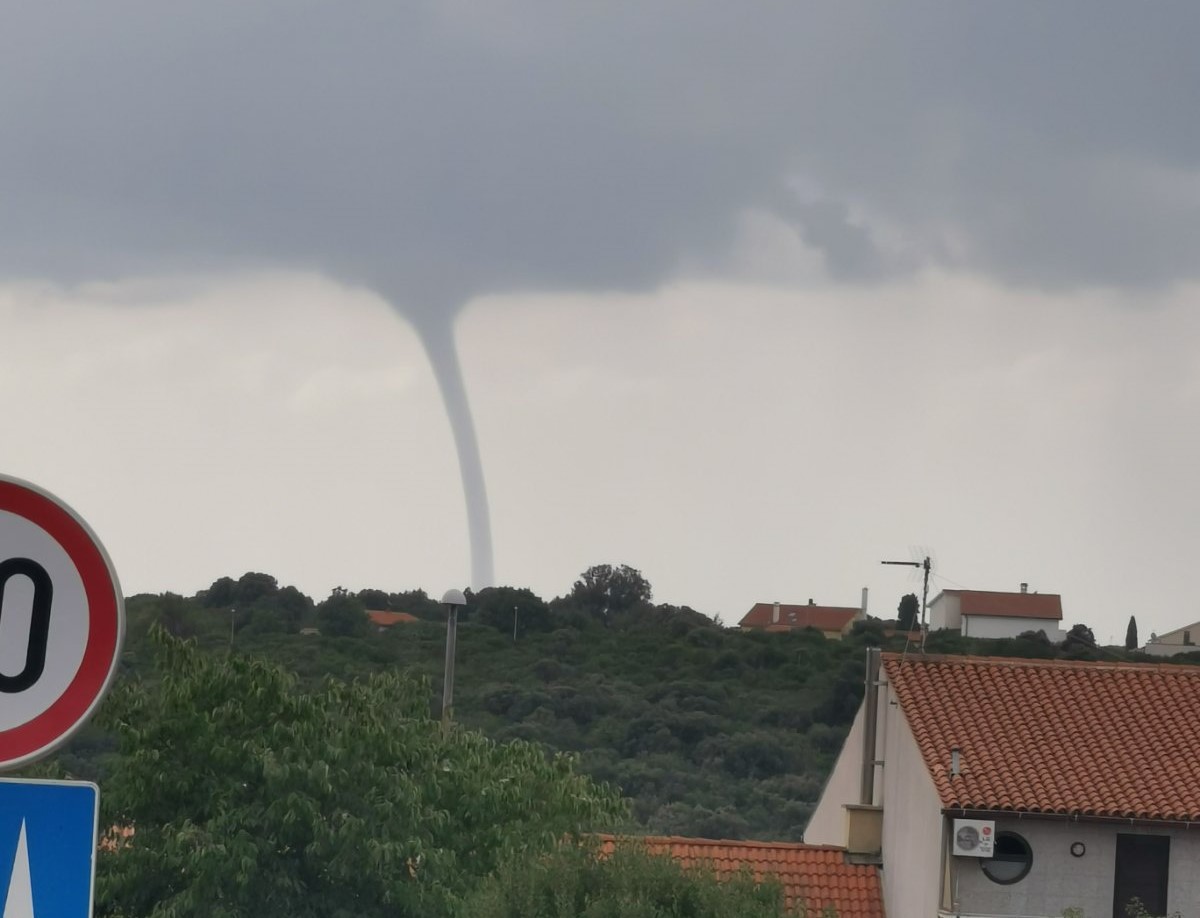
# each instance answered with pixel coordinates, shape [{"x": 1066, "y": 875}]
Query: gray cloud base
[{"x": 438, "y": 151}]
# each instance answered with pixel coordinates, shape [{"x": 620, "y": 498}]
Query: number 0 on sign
[{"x": 62, "y": 620}]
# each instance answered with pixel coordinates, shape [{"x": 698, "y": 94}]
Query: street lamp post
[{"x": 452, "y": 599}]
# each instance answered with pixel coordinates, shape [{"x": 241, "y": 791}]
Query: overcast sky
[{"x": 748, "y": 296}]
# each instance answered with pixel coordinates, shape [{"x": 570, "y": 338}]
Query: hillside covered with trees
[{"x": 708, "y": 731}]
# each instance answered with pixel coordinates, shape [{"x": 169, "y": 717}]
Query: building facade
[
  {"x": 1181, "y": 640},
  {"x": 989, "y": 614},
  {"x": 1084, "y": 778}
]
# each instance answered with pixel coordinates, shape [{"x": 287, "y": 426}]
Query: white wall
[
  {"x": 998, "y": 626},
  {"x": 1058, "y": 880},
  {"x": 1172, "y": 642},
  {"x": 1163, "y": 649},
  {"x": 912, "y": 810},
  {"x": 944, "y": 612},
  {"x": 827, "y": 824},
  {"x": 912, "y": 822}
]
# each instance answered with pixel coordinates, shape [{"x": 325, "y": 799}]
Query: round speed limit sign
[{"x": 62, "y": 620}]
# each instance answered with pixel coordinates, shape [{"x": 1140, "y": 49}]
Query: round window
[{"x": 1010, "y": 861}]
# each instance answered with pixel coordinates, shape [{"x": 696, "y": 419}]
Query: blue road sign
[{"x": 47, "y": 848}]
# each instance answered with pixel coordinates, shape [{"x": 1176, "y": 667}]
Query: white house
[
  {"x": 1181, "y": 640},
  {"x": 1085, "y": 777},
  {"x": 987, "y": 614}
]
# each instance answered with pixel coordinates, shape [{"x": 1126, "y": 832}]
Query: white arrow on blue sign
[{"x": 47, "y": 848}]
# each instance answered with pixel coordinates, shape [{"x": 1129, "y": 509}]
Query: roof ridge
[
  {"x": 960, "y": 590},
  {"x": 725, "y": 842},
  {"x": 1036, "y": 662},
  {"x": 805, "y": 605}
]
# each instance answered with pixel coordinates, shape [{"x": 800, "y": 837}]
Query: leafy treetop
[{"x": 250, "y": 796}]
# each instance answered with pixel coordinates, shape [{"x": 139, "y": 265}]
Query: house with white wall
[
  {"x": 990, "y": 614},
  {"x": 1009, "y": 787},
  {"x": 1181, "y": 640}
]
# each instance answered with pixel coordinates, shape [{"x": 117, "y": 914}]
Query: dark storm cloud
[{"x": 441, "y": 150}]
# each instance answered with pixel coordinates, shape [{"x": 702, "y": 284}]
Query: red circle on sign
[{"x": 105, "y": 612}]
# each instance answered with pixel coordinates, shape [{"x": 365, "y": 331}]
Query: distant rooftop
[
  {"x": 823, "y": 618},
  {"x": 1008, "y": 605},
  {"x": 387, "y": 619},
  {"x": 816, "y": 875}
]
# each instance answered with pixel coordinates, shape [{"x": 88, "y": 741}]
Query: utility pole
[
  {"x": 514, "y": 624},
  {"x": 452, "y": 600},
  {"x": 926, "y": 565}
]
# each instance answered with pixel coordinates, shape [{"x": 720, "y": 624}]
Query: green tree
[
  {"x": 375, "y": 600},
  {"x": 222, "y": 592},
  {"x": 498, "y": 606},
  {"x": 253, "y": 586},
  {"x": 255, "y": 602},
  {"x": 249, "y": 796},
  {"x": 177, "y": 615},
  {"x": 1131, "y": 635},
  {"x": 605, "y": 592},
  {"x": 342, "y": 615},
  {"x": 1079, "y": 639},
  {"x": 907, "y": 612},
  {"x": 418, "y": 603},
  {"x": 574, "y": 882}
]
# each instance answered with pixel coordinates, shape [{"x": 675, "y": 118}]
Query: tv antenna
[{"x": 926, "y": 564}]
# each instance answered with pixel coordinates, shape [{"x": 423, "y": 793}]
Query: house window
[
  {"x": 1143, "y": 873},
  {"x": 1011, "y": 861}
]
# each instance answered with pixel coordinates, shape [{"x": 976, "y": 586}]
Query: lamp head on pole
[{"x": 453, "y": 598}]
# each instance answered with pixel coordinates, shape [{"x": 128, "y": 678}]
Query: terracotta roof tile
[
  {"x": 1008, "y": 605},
  {"x": 816, "y": 875},
  {"x": 387, "y": 619},
  {"x": 823, "y": 618},
  {"x": 1039, "y": 736}
]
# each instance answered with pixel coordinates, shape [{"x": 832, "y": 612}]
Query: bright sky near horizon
[{"x": 750, "y": 300}]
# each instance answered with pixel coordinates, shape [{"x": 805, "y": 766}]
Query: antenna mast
[{"x": 926, "y": 565}]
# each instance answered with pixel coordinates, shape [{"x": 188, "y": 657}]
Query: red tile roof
[
  {"x": 1008, "y": 605},
  {"x": 823, "y": 618},
  {"x": 816, "y": 875},
  {"x": 387, "y": 619},
  {"x": 1054, "y": 736}
]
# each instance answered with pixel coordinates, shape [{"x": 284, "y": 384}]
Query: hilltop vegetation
[
  {"x": 708, "y": 731},
  {"x": 245, "y": 793}
]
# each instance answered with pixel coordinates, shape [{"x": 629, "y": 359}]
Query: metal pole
[
  {"x": 514, "y": 624},
  {"x": 927, "y": 565},
  {"x": 925, "y": 603},
  {"x": 448, "y": 686},
  {"x": 866, "y": 794}
]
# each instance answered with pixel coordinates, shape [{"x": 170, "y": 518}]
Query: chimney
[
  {"x": 775, "y": 614},
  {"x": 1024, "y": 587},
  {"x": 810, "y": 602},
  {"x": 864, "y": 603}
]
